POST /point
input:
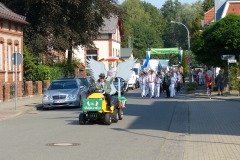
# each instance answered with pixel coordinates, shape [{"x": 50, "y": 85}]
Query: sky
[{"x": 159, "y": 3}]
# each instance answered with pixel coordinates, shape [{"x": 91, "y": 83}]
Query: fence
[{"x": 28, "y": 88}]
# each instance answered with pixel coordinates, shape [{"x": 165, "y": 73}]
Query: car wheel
[
  {"x": 44, "y": 109},
  {"x": 120, "y": 114},
  {"x": 107, "y": 119},
  {"x": 82, "y": 118}
]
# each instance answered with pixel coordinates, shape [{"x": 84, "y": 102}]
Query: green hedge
[
  {"x": 33, "y": 71},
  {"x": 191, "y": 86}
]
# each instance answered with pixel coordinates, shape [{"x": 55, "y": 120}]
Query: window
[
  {"x": 16, "y": 48},
  {"x": 9, "y": 53},
  {"x": 1, "y": 56},
  {"x": 91, "y": 54}
]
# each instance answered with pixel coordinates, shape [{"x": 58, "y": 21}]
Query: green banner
[{"x": 164, "y": 51}]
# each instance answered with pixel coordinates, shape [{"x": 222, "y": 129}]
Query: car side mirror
[
  {"x": 81, "y": 87},
  {"x": 45, "y": 89}
]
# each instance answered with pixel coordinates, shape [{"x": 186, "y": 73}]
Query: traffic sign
[
  {"x": 17, "y": 58},
  {"x": 232, "y": 61},
  {"x": 226, "y": 57}
]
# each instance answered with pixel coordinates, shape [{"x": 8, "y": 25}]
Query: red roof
[
  {"x": 209, "y": 16},
  {"x": 234, "y": 8},
  {"x": 8, "y": 14}
]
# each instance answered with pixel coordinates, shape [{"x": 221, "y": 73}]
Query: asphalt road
[{"x": 151, "y": 129}]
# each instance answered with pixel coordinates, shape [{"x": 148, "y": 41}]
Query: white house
[{"x": 108, "y": 44}]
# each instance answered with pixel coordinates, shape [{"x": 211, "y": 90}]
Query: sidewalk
[
  {"x": 201, "y": 93},
  {"x": 8, "y": 109}
]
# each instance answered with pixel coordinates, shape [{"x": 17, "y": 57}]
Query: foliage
[
  {"x": 38, "y": 72},
  {"x": 143, "y": 25},
  {"x": 62, "y": 24},
  {"x": 220, "y": 38},
  {"x": 30, "y": 64},
  {"x": 185, "y": 64},
  {"x": 234, "y": 73},
  {"x": 207, "y": 5},
  {"x": 42, "y": 72},
  {"x": 176, "y": 35},
  {"x": 191, "y": 86}
]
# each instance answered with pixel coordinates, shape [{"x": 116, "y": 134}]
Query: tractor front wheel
[{"x": 82, "y": 118}]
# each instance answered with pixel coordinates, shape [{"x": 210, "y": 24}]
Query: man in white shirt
[
  {"x": 142, "y": 82},
  {"x": 151, "y": 82}
]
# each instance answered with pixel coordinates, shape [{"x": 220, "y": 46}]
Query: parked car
[
  {"x": 88, "y": 82},
  {"x": 123, "y": 84},
  {"x": 64, "y": 93}
]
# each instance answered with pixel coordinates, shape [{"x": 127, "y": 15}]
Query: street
[{"x": 180, "y": 128}]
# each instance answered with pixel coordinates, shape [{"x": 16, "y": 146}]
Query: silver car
[{"x": 66, "y": 92}]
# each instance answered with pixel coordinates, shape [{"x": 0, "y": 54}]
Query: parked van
[
  {"x": 137, "y": 69},
  {"x": 132, "y": 81}
]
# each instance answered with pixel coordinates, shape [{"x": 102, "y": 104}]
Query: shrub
[{"x": 191, "y": 86}]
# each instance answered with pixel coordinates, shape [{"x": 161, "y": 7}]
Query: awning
[
  {"x": 111, "y": 59},
  {"x": 164, "y": 51}
]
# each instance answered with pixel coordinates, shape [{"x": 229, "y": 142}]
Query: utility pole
[{"x": 129, "y": 42}]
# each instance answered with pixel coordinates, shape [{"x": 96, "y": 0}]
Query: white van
[{"x": 132, "y": 81}]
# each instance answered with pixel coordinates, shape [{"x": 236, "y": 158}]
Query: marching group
[{"x": 152, "y": 84}]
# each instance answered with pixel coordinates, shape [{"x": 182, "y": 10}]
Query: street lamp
[{"x": 190, "y": 78}]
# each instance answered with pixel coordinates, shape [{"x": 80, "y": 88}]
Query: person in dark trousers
[
  {"x": 166, "y": 83},
  {"x": 220, "y": 82}
]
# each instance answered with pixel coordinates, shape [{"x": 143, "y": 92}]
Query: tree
[
  {"x": 62, "y": 24},
  {"x": 207, "y": 5},
  {"x": 220, "y": 38},
  {"x": 143, "y": 23}
]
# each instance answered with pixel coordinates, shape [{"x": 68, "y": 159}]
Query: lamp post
[{"x": 189, "y": 66}]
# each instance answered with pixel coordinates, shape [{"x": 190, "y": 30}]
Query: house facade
[
  {"x": 222, "y": 10},
  {"x": 108, "y": 43},
  {"x": 126, "y": 53},
  {"x": 11, "y": 40}
]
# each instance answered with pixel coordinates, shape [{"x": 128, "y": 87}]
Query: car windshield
[
  {"x": 84, "y": 81},
  {"x": 135, "y": 70},
  {"x": 63, "y": 85}
]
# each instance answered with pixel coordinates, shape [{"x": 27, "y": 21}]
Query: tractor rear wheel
[{"x": 107, "y": 119}]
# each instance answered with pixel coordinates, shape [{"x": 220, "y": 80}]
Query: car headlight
[
  {"x": 47, "y": 97},
  {"x": 72, "y": 96}
]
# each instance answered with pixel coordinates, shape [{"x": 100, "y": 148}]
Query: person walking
[
  {"x": 142, "y": 82},
  {"x": 172, "y": 85},
  {"x": 151, "y": 80},
  {"x": 204, "y": 77},
  {"x": 158, "y": 82},
  {"x": 209, "y": 84},
  {"x": 200, "y": 78},
  {"x": 220, "y": 82},
  {"x": 166, "y": 83},
  {"x": 194, "y": 73}
]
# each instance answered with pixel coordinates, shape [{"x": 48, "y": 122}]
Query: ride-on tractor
[
  {"x": 95, "y": 109},
  {"x": 95, "y": 106}
]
